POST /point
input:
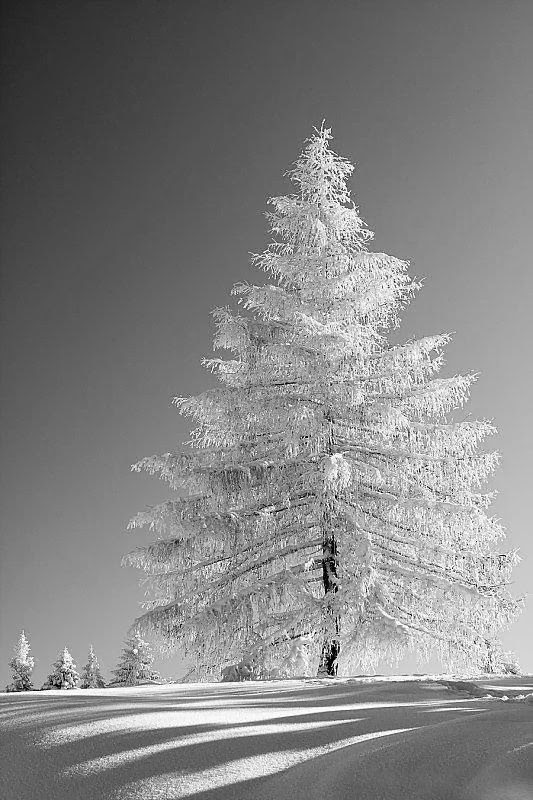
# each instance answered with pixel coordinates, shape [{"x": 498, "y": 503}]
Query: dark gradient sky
[{"x": 140, "y": 141}]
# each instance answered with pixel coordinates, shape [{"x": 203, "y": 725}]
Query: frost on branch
[{"x": 329, "y": 510}]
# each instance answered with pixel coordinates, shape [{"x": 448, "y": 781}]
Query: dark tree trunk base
[{"x": 328, "y": 659}]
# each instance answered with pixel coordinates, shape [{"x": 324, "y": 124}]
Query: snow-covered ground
[{"x": 348, "y": 738}]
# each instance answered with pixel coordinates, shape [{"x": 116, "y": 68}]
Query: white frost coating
[
  {"x": 136, "y": 663},
  {"x": 21, "y": 666},
  {"x": 328, "y": 493},
  {"x": 64, "y": 673},
  {"x": 337, "y": 473}
]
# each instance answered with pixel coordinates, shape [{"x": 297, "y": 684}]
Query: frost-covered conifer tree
[
  {"x": 91, "y": 677},
  {"x": 328, "y": 494},
  {"x": 136, "y": 663},
  {"x": 64, "y": 673},
  {"x": 22, "y": 666}
]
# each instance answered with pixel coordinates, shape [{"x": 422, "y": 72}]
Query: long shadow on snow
[
  {"x": 178, "y": 756},
  {"x": 461, "y": 758},
  {"x": 189, "y": 759}
]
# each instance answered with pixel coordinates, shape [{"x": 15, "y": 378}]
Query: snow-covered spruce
[
  {"x": 135, "y": 665},
  {"x": 91, "y": 677},
  {"x": 327, "y": 494},
  {"x": 64, "y": 673},
  {"x": 21, "y": 666}
]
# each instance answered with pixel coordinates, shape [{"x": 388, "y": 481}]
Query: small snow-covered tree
[
  {"x": 91, "y": 677},
  {"x": 136, "y": 663},
  {"x": 22, "y": 666},
  {"x": 64, "y": 673},
  {"x": 328, "y": 494}
]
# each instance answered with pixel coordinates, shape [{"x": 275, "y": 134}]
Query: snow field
[{"x": 369, "y": 738}]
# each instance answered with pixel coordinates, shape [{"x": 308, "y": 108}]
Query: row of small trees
[{"x": 135, "y": 666}]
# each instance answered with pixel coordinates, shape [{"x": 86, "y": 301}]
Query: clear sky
[{"x": 139, "y": 143}]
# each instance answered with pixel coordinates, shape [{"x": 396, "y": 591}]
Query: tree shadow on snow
[{"x": 216, "y": 744}]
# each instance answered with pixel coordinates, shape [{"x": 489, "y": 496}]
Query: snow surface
[{"x": 408, "y": 738}]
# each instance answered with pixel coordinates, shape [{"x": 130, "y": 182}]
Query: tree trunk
[{"x": 331, "y": 645}]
